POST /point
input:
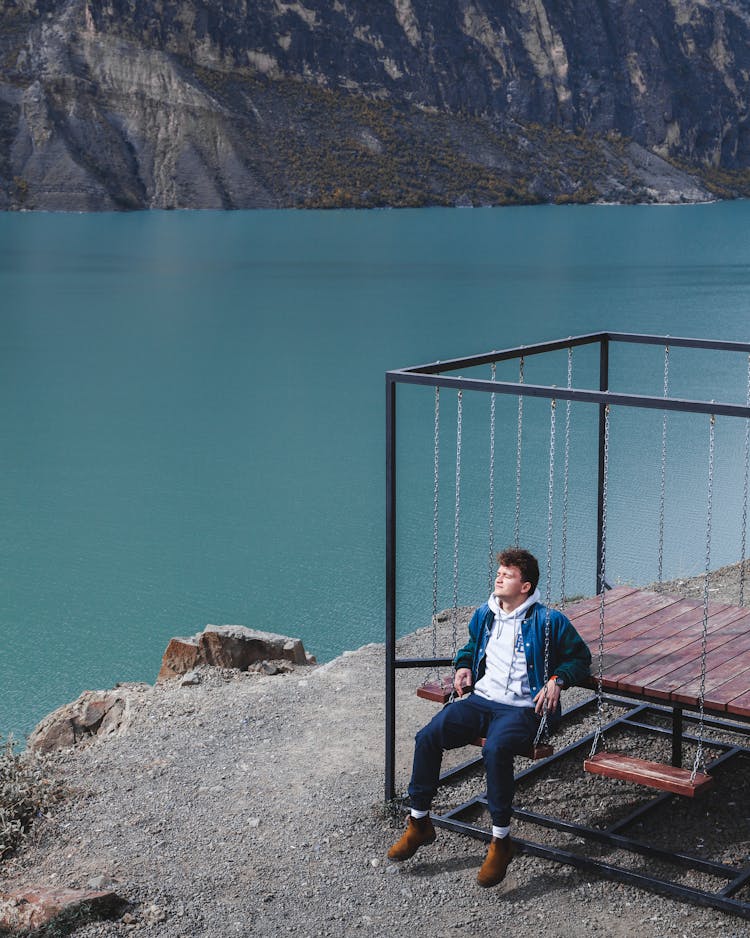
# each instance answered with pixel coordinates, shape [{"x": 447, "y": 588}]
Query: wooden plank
[
  {"x": 675, "y": 618},
  {"x": 634, "y": 650},
  {"x": 652, "y": 774},
  {"x": 735, "y": 691},
  {"x": 643, "y": 673},
  {"x": 630, "y": 609},
  {"x": 592, "y": 603},
  {"x": 723, "y": 666},
  {"x": 740, "y": 706},
  {"x": 438, "y": 691},
  {"x": 683, "y": 683}
]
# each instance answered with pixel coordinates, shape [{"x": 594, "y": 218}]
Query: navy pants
[{"x": 509, "y": 731}]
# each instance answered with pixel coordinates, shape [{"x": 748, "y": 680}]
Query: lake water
[{"x": 192, "y": 416}]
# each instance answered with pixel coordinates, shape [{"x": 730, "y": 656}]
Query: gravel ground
[{"x": 251, "y": 804}]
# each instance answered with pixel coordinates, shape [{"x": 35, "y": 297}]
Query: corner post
[
  {"x": 390, "y": 587},
  {"x": 603, "y": 386}
]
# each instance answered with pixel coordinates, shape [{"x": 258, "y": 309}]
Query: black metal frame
[{"x": 436, "y": 375}]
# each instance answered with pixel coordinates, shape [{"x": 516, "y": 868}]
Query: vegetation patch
[{"x": 26, "y": 793}]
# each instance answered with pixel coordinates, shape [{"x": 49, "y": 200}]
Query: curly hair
[{"x": 525, "y": 561}]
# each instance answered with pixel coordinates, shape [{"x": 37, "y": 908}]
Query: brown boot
[
  {"x": 492, "y": 871},
  {"x": 419, "y": 831}
]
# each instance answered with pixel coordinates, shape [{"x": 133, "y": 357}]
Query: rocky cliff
[{"x": 108, "y": 104}]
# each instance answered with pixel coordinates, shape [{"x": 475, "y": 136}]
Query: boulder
[
  {"x": 181, "y": 656},
  {"x": 34, "y": 907},
  {"x": 95, "y": 713},
  {"x": 229, "y": 646}
]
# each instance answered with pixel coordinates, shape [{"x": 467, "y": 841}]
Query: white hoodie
[{"x": 506, "y": 679}]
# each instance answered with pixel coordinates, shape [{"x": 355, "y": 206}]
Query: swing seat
[
  {"x": 535, "y": 751},
  {"x": 652, "y": 774},
  {"x": 439, "y": 691}
]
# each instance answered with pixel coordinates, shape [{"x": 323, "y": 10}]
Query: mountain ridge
[{"x": 171, "y": 104}]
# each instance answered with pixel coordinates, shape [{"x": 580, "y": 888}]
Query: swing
[
  {"x": 441, "y": 690},
  {"x": 619, "y": 765}
]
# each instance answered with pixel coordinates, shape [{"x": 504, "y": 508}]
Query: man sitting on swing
[{"x": 505, "y": 687}]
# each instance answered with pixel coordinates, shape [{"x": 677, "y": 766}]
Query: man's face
[{"x": 509, "y": 585}]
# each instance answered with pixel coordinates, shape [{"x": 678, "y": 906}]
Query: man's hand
[
  {"x": 462, "y": 680},
  {"x": 547, "y": 701}
]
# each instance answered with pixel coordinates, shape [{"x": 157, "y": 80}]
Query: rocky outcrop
[
  {"x": 229, "y": 646},
  {"x": 96, "y": 713},
  {"x": 179, "y": 104}
]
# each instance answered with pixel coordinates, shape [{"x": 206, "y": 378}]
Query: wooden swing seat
[
  {"x": 652, "y": 774},
  {"x": 439, "y": 691}
]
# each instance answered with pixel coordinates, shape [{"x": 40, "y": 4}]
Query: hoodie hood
[{"x": 518, "y": 612}]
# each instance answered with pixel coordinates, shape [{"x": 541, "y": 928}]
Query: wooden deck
[{"x": 652, "y": 648}]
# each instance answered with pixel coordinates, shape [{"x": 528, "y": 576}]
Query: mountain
[{"x": 118, "y": 104}]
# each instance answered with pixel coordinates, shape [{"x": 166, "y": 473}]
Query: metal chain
[
  {"x": 663, "y": 487},
  {"x": 543, "y": 729},
  {"x": 492, "y": 485},
  {"x": 602, "y": 580},
  {"x": 744, "y": 493},
  {"x": 564, "y": 547},
  {"x": 435, "y": 526},
  {"x": 457, "y": 518},
  {"x": 698, "y": 763},
  {"x": 517, "y": 525}
]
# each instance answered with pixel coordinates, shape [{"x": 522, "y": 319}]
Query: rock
[
  {"x": 190, "y": 679},
  {"x": 235, "y": 646},
  {"x": 94, "y": 714},
  {"x": 34, "y": 907},
  {"x": 231, "y": 646},
  {"x": 180, "y": 657}
]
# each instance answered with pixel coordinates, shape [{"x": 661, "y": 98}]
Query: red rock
[
  {"x": 35, "y": 906},
  {"x": 181, "y": 656}
]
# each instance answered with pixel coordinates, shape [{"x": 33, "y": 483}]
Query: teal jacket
[{"x": 569, "y": 655}]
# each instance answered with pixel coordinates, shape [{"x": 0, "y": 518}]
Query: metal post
[
  {"x": 603, "y": 386},
  {"x": 390, "y": 589},
  {"x": 677, "y": 737}
]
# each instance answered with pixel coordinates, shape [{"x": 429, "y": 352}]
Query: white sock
[
  {"x": 500, "y": 831},
  {"x": 418, "y": 814}
]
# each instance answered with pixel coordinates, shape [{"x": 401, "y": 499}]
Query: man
[{"x": 502, "y": 695}]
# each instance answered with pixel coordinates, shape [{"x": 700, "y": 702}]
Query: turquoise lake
[{"x": 192, "y": 417}]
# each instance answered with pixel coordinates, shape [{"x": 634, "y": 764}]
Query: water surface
[{"x": 192, "y": 416}]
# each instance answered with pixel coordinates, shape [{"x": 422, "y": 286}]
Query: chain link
[
  {"x": 517, "y": 524},
  {"x": 491, "y": 566},
  {"x": 564, "y": 547},
  {"x": 663, "y": 485},
  {"x": 745, "y": 493},
  {"x": 543, "y": 729},
  {"x": 698, "y": 763},
  {"x": 435, "y": 526},
  {"x": 602, "y": 580},
  {"x": 457, "y": 517}
]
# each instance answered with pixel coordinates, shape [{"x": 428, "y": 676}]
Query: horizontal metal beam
[
  {"x": 674, "y": 341},
  {"x": 487, "y": 358},
  {"x": 539, "y": 348},
  {"x": 422, "y": 662},
  {"x": 551, "y": 392}
]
